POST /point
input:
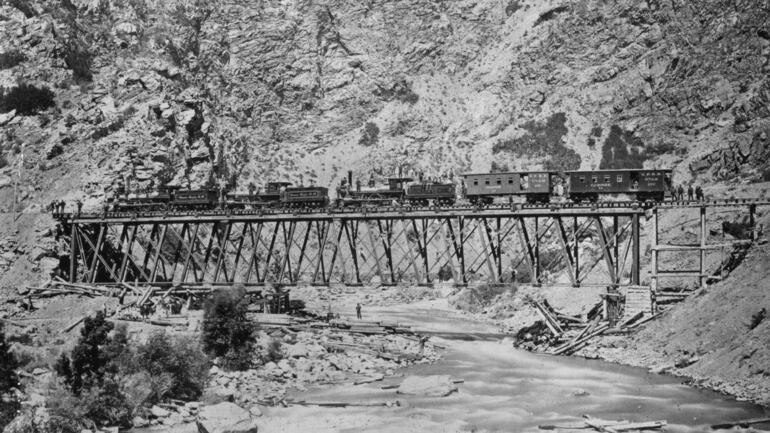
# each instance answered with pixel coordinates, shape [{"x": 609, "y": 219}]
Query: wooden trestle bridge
[{"x": 386, "y": 246}]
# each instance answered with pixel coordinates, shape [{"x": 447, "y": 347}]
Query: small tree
[
  {"x": 180, "y": 362},
  {"x": 89, "y": 360},
  {"x": 226, "y": 331}
]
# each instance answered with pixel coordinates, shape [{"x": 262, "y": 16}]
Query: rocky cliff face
[{"x": 197, "y": 92}]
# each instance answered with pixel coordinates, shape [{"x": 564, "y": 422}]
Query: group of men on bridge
[
  {"x": 57, "y": 207},
  {"x": 677, "y": 193}
]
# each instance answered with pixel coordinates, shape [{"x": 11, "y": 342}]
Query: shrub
[
  {"x": 543, "y": 140},
  {"x": 78, "y": 60},
  {"x": 226, "y": 331},
  {"x": 8, "y": 381},
  {"x": 11, "y": 58},
  {"x": 370, "y": 135},
  {"x": 26, "y": 99},
  {"x": 103, "y": 404},
  {"x": 621, "y": 150},
  {"x": 179, "y": 363},
  {"x": 274, "y": 351},
  {"x": 87, "y": 364},
  {"x": 499, "y": 168}
]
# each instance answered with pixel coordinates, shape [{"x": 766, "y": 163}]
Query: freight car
[
  {"x": 636, "y": 184},
  {"x": 533, "y": 187}
]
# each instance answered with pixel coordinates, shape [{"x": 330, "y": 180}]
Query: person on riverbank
[{"x": 358, "y": 311}]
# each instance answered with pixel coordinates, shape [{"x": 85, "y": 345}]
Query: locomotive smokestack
[{"x": 350, "y": 177}]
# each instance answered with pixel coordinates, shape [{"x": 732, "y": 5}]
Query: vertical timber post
[
  {"x": 538, "y": 270},
  {"x": 576, "y": 246},
  {"x": 73, "y": 252},
  {"x": 615, "y": 249},
  {"x": 753, "y": 221},
  {"x": 635, "y": 249},
  {"x": 702, "y": 272},
  {"x": 655, "y": 240}
]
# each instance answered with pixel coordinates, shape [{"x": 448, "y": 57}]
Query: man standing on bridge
[
  {"x": 79, "y": 204},
  {"x": 680, "y": 193},
  {"x": 698, "y": 193},
  {"x": 689, "y": 192},
  {"x": 358, "y": 311}
]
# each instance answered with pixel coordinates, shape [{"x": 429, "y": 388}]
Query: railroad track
[{"x": 358, "y": 211}]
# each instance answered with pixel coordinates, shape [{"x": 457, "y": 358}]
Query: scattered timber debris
[
  {"x": 607, "y": 426},
  {"x": 745, "y": 423},
  {"x": 561, "y": 334}
]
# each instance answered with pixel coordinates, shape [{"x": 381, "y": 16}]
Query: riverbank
[{"x": 717, "y": 338}]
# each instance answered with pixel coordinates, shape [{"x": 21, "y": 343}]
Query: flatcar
[
  {"x": 638, "y": 184},
  {"x": 483, "y": 188}
]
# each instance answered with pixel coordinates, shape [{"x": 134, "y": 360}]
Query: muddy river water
[{"x": 506, "y": 390}]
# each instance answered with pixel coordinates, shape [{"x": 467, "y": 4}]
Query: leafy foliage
[
  {"x": 11, "y": 58},
  {"x": 370, "y": 135},
  {"x": 104, "y": 380},
  {"x": 274, "y": 352},
  {"x": 180, "y": 361},
  {"x": 26, "y": 99},
  {"x": 8, "y": 380},
  {"x": 226, "y": 331},
  {"x": 8, "y": 365},
  {"x": 87, "y": 363},
  {"x": 543, "y": 140},
  {"x": 622, "y": 150}
]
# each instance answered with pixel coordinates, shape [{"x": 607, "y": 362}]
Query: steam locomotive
[{"x": 477, "y": 188}]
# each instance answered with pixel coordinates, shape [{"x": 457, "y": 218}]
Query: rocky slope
[{"x": 198, "y": 92}]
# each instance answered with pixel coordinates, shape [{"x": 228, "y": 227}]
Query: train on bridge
[{"x": 477, "y": 188}]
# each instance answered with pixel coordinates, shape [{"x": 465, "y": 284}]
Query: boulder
[
  {"x": 139, "y": 422},
  {"x": 430, "y": 386},
  {"x": 159, "y": 412},
  {"x": 225, "y": 418},
  {"x": 298, "y": 350}
]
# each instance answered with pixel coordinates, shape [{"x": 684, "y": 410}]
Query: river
[{"x": 505, "y": 390}]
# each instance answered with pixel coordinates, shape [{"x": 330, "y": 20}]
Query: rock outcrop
[{"x": 225, "y": 418}]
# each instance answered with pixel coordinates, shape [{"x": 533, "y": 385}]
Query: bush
[
  {"x": 370, "y": 135},
  {"x": 78, "y": 60},
  {"x": 88, "y": 361},
  {"x": 105, "y": 381},
  {"x": 26, "y": 99},
  {"x": 8, "y": 381},
  {"x": 226, "y": 331},
  {"x": 11, "y": 58},
  {"x": 621, "y": 150},
  {"x": 8, "y": 365},
  {"x": 274, "y": 351},
  {"x": 180, "y": 365},
  {"x": 543, "y": 140}
]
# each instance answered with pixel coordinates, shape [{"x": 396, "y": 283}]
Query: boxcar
[
  {"x": 196, "y": 199},
  {"x": 438, "y": 193},
  {"x": 637, "y": 183},
  {"x": 305, "y": 196},
  {"x": 484, "y": 187}
]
